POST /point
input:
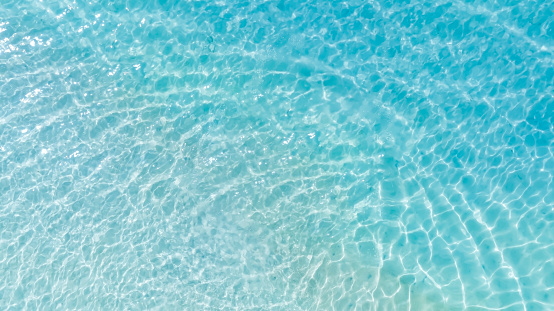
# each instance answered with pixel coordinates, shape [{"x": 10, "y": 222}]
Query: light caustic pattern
[{"x": 279, "y": 155}]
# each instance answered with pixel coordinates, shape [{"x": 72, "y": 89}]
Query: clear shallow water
[{"x": 276, "y": 155}]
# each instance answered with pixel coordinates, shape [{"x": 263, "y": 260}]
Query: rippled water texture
[{"x": 279, "y": 155}]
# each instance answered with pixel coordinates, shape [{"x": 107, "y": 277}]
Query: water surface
[{"x": 291, "y": 155}]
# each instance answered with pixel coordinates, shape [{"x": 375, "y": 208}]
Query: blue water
[{"x": 279, "y": 155}]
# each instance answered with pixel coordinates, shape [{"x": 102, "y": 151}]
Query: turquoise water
[{"x": 280, "y": 155}]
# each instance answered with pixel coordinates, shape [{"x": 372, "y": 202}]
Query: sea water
[{"x": 277, "y": 155}]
